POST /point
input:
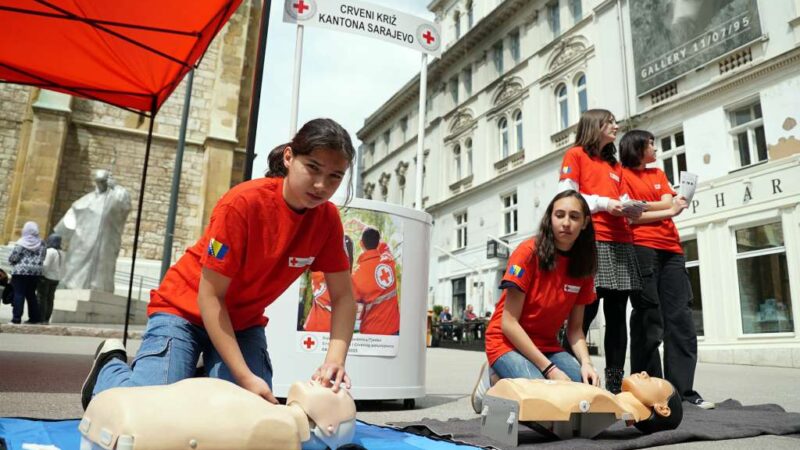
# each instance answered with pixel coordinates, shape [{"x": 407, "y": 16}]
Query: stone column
[{"x": 37, "y": 175}]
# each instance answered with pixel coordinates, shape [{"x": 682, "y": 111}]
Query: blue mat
[{"x": 64, "y": 435}]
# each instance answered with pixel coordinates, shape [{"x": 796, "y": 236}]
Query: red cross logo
[
  {"x": 384, "y": 276},
  {"x": 308, "y": 343},
  {"x": 293, "y": 262},
  {"x": 428, "y": 37},
  {"x": 300, "y": 6}
]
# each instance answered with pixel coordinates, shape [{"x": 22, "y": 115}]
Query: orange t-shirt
[
  {"x": 597, "y": 177},
  {"x": 255, "y": 239},
  {"x": 649, "y": 185},
  {"x": 549, "y": 298},
  {"x": 319, "y": 318},
  {"x": 374, "y": 284}
]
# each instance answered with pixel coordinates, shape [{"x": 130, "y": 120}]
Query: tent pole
[
  {"x": 139, "y": 220},
  {"x": 255, "y": 97}
]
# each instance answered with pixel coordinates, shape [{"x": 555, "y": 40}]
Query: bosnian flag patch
[
  {"x": 566, "y": 170},
  {"x": 294, "y": 261},
  {"x": 516, "y": 270},
  {"x": 217, "y": 249},
  {"x": 571, "y": 288}
]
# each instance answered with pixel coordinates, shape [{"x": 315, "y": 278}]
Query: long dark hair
[
  {"x": 590, "y": 132},
  {"x": 632, "y": 147},
  {"x": 315, "y": 134},
  {"x": 583, "y": 255}
]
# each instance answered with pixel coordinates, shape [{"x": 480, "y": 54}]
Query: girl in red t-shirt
[
  {"x": 548, "y": 281},
  {"x": 661, "y": 310},
  {"x": 261, "y": 236},
  {"x": 591, "y": 168}
]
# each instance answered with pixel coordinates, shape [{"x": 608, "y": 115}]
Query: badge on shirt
[
  {"x": 571, "y": 288},
  {"x": 384, "y": 276},
  {"x": 614, "y": 176},
  {"x": 566, "y": 170},
  {"x": 516, "y": 270},
  {"x": 217, "y": 249},
  {"x": 294, "y": 261},
  {"x": 657, "y": 185}
]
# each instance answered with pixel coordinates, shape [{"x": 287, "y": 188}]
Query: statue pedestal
[{"x": 88, "y": 306}]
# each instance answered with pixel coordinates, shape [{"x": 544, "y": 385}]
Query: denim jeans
[
  {"x": 171, "y": 347},
  {"x": 25, "y": 291},
  {"x": 514, "y": 365}
]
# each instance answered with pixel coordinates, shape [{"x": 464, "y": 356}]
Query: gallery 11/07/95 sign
[{"x": 673, "y": 37}]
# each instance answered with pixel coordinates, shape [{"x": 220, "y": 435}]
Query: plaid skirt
[{"x": 617, "y": 267}]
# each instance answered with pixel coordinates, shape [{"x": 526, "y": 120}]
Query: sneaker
[
  {"x": 106, "y": 351},
  {"x": 703, "y": 404},
  {"x": 481, "y": 386}
]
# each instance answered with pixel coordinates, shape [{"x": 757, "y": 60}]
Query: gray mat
[{"x": 730, "y": 420}]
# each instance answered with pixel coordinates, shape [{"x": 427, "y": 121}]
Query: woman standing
[
  {"x": 53, "y": 270},
  {"x": 26, "y": 262},
  {"x": 591, "y": 168}
]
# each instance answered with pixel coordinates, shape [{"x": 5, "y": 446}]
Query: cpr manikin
[
  {"x": 566, "y": 409},
  {"x": 213, "y": 414}
]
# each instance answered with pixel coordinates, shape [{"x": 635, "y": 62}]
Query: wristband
[{"x": 548, "y": 369}]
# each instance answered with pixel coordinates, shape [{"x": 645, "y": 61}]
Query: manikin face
[
  {"x": 312, "y": 178},
  {"x": 649, "y": 154},
  {"x": 568, "y": 221},
  {"x": 652, "y": 392},
  {"x": 608, "y": 131}
]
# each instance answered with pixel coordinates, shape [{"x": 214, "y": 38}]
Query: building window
[
  {"x": 386, "y": 137},
  {"x": 509, "y": 213},
  {"x": 497, "y": 56},
  {"x": 673, "y": 156},
  {"x": 576, "y": 9},
  {"x": 747, "y": 129},
  {"x": 454, "y": 89},
  {"x": 563, "y": 109},
  {"x": 693, "y": 269},
  {"x": 514, "y": 44},
  {"x": 467, "y": 75},
  {"x": 583, "y": 98},
  {"x": 457, "y": 20},
  {"x": 457, "y": 162},
  {"x": 459, "y": 296},
  {"x": 553, "y": 18},
  {"x": 461, "y": 230},
  {"x": 404, "y": 127},
  {"x": 518, "y": 129},
  {"x": 468, "y": 145},
  {"x": 470, "y": 14},
  {"x": 764, "y": 293},
  {"x": 502, "y": 128}
]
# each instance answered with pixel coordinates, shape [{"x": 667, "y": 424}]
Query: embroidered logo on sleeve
[
  {"x": 571, "y": 288},
  {"x": 217, "y": 249},
  {"x": 614, "y": 176},
  {"x": 384, "y": 276},
  {"x": 566, "y": 170},
  {"x": 294, "y": 261},
  {"x": 516, "y": 270}
]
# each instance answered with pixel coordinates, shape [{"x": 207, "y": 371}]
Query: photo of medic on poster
[{"x": 373, "y": 241}]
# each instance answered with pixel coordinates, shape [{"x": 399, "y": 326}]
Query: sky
[{"x": 344, "y": 76}]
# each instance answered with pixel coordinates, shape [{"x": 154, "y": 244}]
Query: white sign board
[{"x": 366, "y": 20}]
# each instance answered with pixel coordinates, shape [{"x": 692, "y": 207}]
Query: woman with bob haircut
[
  {"x": 662, "y": 309},
  {"x": 549, "y": 279}
]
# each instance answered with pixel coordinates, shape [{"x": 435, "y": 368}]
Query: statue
[{"x": 92, "y": 227}]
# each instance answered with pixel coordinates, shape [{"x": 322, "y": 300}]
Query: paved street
[{"x": 40, "y": 376}]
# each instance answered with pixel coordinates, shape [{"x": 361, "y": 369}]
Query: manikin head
[
  {"x": 331, "y": 415},
  {"x": 101, "y": 179},
  {"x": 658, "y": 395}
]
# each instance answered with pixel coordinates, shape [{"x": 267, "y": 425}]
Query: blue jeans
[
  {"x": 514, "y": 365},
  {"x": 171, "y": 347}
]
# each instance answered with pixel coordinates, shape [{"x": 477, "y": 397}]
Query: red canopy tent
[{"x": 131, "y": 54}]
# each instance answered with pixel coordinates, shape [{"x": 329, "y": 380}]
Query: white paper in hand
[{"x": 688, "y": 185}]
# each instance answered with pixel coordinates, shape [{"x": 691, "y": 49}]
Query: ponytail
[{"x": 275, "y": 166}]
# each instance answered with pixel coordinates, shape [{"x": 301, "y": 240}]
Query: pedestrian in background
[
  {"x": 52, "y": 272},
  {"x": 27, "y": 261}
]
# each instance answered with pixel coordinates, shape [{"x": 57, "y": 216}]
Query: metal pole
[
  {"x": 423, "y": 89},
  {"x": 298, "y": 62},
  {"x": 166, "y": 254},
  {"x": 255, "y": 96}
]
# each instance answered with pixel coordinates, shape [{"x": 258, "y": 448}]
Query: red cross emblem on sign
[
  {"x": 428, "y": 37},
  {"x": 300, "y": 6},
  {"x": 309, "y": 342}
]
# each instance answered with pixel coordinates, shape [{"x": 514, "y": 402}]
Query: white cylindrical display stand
[{"x": 390, "y": 282}]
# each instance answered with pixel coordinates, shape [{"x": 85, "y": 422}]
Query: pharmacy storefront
[{"x": 741, "y": 237}]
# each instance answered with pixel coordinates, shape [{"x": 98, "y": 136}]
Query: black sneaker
[
  {"x": 703, "y": 404},
  {"x": 106, "y": 351}
]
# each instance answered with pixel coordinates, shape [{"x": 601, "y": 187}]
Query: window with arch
[
  {"x": 457, "y": 20},
  {"x": 583, "y": 99},
  {"x": 502, "y": 128},
  {"x": 563, "y": 110},
  {"x": 518, "y": 129},
  {"x": 457, "y": 162},
  {"x": 468, "y": 155}
]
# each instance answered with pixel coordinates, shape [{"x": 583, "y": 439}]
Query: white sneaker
[
  {"x": 481, "y": 386},
  {"x": 703, "y": 404}
]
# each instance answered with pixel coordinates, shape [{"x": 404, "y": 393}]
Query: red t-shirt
[
  {"x": 255, "y": 239},
  {"x": 649, "y": 185},
  {"x": 597, "y": 177},
  {"x": 549, "y": 298},
  {"x": 319, "y": 318},
  {"x": 374, "y": 285}
]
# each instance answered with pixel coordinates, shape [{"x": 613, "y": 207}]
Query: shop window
[
  {"x": 693, "y": 270},
  {"x": 764, "y": 293}
]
